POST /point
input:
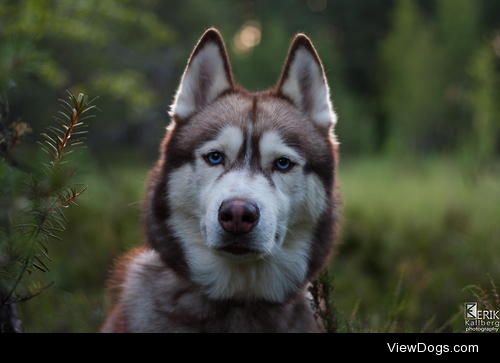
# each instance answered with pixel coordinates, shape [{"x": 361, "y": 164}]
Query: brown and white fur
[{"x": 195, "y": 276}]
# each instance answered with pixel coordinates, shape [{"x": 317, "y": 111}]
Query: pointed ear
[
  {"x": 303, "y": 82},
  {"x": 206, "y": 77}
]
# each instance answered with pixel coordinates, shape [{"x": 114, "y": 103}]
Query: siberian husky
[{"x": 240, "y": 210}]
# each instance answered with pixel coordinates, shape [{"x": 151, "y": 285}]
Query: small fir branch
[
  {"x": 50, "y": 195},
  {"x": 59, "y": 141}
]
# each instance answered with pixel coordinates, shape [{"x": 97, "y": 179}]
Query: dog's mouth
[
  {"x": 238, "y": 250},
  {"x": 242, "y": 248}
]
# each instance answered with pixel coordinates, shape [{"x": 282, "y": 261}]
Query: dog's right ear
[{"x": 207, "y": 76}]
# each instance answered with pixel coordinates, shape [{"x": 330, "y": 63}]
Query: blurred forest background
[{"x": 416, "y": 85}]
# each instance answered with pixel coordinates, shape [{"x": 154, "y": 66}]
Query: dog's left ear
[
  {"x": 304, "y": 83},
  {"x": 207, "y": 76}
]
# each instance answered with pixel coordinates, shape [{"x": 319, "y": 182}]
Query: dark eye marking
[
  {"x": 283, "y": 164},
  {"x": 214, "y": 158}
]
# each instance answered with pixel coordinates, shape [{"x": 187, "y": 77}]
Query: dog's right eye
[{"x": 214, "y": 158}]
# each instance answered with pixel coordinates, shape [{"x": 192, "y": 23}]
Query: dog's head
[{"x": 241, "y": 200}]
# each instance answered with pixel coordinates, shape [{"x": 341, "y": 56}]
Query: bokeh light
[{"x": 247, "y": 37}]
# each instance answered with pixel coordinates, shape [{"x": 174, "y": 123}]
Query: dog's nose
[{"x": 238, "y": 216}]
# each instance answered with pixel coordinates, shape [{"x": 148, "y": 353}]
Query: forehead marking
[
  {"x": 245, "y": 154},
  {"x": 231, "y": 138},
  {"x": 248, "y": 146}
]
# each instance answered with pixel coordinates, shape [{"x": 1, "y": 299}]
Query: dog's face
[{"x": 249, "y": 177}]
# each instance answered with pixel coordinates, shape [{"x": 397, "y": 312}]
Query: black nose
[{"x": 238, "y": 216}]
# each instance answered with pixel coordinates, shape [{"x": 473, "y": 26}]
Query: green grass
[{"x": 414, "y": 236}]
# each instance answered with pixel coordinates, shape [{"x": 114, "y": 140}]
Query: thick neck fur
[{"x": 156, "y": 299}]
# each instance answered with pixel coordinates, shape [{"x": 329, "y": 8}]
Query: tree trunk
[{"x": 9, "y": 319}]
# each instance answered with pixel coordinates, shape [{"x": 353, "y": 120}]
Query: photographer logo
[{"x": 481, "y": 320}]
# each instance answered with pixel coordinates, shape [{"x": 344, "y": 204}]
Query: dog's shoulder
[
  {"x": 118, "y": 273},
  {"x": 115, "y": 321},
  {"x": 146, "y": 294}
]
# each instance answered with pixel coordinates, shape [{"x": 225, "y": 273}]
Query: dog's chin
[
  {"x": 239, "y": 250},
  {"x": 239, "y": 255}
]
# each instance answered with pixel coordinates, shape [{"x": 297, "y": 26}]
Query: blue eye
[
  {"x": 283, "y": 164},
  {"x": 214, "y": 158}
]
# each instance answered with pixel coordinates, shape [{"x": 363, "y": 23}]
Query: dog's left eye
[
  {"x": 214, "y": 158},
  {"x": 283, "y": 164}
]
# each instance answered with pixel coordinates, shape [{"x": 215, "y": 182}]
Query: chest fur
[{"x": 155, "y": 299}]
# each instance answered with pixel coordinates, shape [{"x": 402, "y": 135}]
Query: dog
[{"x": 240, "y": 209}]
